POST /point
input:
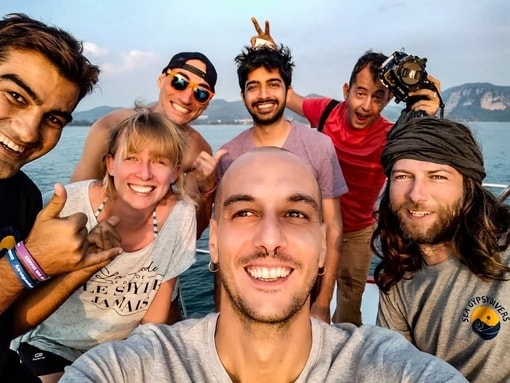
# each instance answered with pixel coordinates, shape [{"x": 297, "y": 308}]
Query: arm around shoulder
[{"x": 295, "y": 102}]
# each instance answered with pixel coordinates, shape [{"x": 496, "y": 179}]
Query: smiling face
[
  {"x": 141, "y": 177},
  {"x": 267, "y": 235},
  {"x": 35, "y": 104},
  {"x": 265, "y": 96},
  {"x": 366, "y": 99},
  {"x": 426, "y": 197},
  {"x": 181, "y": 107}
]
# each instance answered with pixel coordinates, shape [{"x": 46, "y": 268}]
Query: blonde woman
[{"x": 143, "y": 187}]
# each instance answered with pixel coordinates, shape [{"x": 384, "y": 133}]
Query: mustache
[
  {"x": 408, "y": 206},
  {"x": 264, "y": 100},
  {"x": 276, "y": 253}
]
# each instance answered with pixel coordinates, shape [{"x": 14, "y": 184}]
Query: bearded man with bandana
[{"x": 444, "y": 244}]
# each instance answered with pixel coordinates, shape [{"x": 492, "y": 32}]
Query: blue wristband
[{"x": 19, "y": 270}]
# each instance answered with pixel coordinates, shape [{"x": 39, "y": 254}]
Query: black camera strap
[{"x": 325, "y": 114}]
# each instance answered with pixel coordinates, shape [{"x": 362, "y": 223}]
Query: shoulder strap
[{"x": 325, "y": 114}]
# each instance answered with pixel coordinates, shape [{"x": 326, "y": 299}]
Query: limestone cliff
[{"x": 477, "y": 102}]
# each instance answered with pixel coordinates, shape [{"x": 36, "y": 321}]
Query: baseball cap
[{"x": 179, "y": 61}]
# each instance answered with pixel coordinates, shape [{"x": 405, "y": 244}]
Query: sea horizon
[{"x": 197, "y": 282}]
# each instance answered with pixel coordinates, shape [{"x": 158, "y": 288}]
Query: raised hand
[
  {"x": 429, "y": 102},
  {"x": 60, "y": 245},
  {"x": 262, "y": 37},
  {"x": 104, "y": 245},
  {"x": 104, "y": 236},
  {"x": 205, "y": 166}
]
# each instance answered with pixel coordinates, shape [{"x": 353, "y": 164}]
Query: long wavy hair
[{"x": 481, "y": 235}]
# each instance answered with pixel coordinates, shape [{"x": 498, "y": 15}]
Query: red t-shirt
[{"x": 359, "y": 153}]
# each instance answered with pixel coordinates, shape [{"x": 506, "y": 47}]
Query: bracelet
[
  {"x": 29, "y": 261},
  {"x": 207, "y": 193},
  {"x": 20, "y": 272}
]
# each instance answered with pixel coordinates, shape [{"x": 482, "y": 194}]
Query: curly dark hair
[
  {"x": 482, "y": 233},
  {"x": 20, "y": 32},
  {"x": 252, "y": 58}
]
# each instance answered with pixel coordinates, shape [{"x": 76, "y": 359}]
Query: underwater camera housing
[{"x": 403, "y": 73}]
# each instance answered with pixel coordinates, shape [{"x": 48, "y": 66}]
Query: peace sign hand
[{"x": 263, "y": 38}]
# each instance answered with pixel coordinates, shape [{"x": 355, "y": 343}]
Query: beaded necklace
[{"x": 154, "y": 217}]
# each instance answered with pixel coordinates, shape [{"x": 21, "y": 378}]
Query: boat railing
[{"x": 504, "y": 190}]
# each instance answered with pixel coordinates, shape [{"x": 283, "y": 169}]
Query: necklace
[{"x": 154, "y": 216}]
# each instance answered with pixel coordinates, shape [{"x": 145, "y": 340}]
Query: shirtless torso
[{"x": 197, "y": 153}]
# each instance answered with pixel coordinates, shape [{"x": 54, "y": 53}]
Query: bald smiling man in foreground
[{"x": 267, "y": 241}]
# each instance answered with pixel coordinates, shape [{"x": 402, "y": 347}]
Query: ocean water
[{"x": 197, "y": 282}]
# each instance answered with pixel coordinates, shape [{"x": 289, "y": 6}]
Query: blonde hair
[{"x": 135, "y": 133}]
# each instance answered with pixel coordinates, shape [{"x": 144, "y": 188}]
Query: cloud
[
  {"x": 94, "y": 50},
  {"x": 131, "y": 62}
]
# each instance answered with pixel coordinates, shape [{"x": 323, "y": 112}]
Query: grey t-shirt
[
  {"x": 449, "y": 312},
  {"x": 114, "y": 300},
  {"x": 308, "y": 144},
  {"x": 186, "y": 352}
]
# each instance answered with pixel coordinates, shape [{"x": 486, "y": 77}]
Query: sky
[{"x": 464, "y": 41}]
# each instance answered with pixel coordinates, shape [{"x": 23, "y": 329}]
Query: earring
[
  {"x": 321, "y": 271},
  {"x": 213, "y": 267}
]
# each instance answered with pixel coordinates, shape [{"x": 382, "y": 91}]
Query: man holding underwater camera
[{"x": 358, "y": 132}]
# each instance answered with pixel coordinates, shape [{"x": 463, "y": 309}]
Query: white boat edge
[{"x": 370, "y": 302}]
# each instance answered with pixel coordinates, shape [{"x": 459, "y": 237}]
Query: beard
[
  {"x": 266, "y": 118},
  {"x": 250, "y": 314},
  {"x": 442, "y": 230},
  {"x": 281, "y": 317}
]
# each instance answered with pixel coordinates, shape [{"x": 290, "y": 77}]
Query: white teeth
[
  {"x": 264, "y": 273},
  {"x": 265, "y": 105},
  {"x": 179, "y": 108},
  {"x": 141, "y": 188},
  {"x": 419, "y": 213},
  {"x": 11, "y": 145}
]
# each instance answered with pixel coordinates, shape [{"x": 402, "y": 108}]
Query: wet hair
[
  {"x": 139, "y": 131},
  {"x": 20, "y": 32},
  {"x": 253, "y": 58},
  {"x": 371, "y": 60},
  {"x": 482, "y": 226}
]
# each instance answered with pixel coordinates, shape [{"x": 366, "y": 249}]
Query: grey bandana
[{"x": 434, "y": 140}]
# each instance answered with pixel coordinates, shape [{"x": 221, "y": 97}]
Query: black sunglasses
[{"x": 181, "y": 83}]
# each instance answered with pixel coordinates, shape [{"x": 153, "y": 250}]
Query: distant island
[{"x": 467, "y": 102}]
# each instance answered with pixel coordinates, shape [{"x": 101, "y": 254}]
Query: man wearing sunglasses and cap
[{"x": 186, "y": 86}]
